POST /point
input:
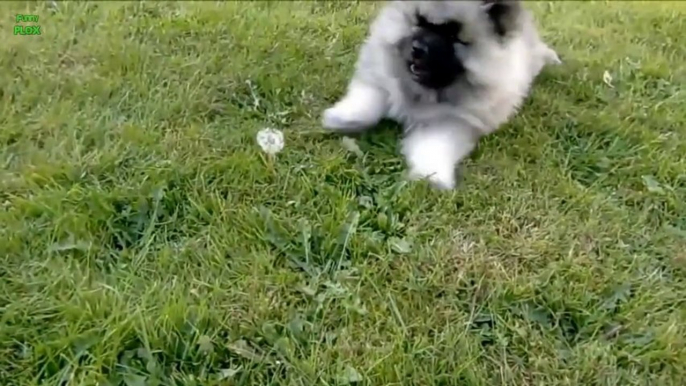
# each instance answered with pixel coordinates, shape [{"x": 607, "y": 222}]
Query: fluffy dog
[{"x": 449, "y": 71}]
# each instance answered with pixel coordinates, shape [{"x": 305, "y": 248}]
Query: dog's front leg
[
  {"x": 362, "y": 107},
  {"x": 433, "y": 152}
]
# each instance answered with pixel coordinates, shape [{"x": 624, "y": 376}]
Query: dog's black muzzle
[{"x": 432, "y": 60}]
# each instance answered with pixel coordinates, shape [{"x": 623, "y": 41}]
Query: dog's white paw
[
  {"x": 433, "y": 153},
  {"x": 341, "y": 118},
  {"x": 363, "y": 106}
]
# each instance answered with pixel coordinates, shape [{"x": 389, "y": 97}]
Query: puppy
[{"x": 449, "y": 71}]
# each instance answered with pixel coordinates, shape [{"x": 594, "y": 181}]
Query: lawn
[{"x": 145, "y": 239}]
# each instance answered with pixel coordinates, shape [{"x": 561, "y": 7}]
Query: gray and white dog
[{"x": 449, "y": 71}]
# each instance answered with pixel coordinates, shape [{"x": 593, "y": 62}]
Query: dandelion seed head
[{"x": 270, "y": 140}]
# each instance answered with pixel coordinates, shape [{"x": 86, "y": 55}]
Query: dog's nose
[{"x": 419, "y": 49}]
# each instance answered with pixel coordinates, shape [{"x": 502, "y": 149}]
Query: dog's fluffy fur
[{"x": 501, "y": 56}]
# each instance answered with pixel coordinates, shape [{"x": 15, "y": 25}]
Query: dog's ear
[{"x": 506, "y": 15}]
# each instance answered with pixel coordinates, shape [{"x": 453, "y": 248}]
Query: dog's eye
[
  {"x": 452, "y": 30},
  {"x": 452, "y": 27},
  {"x": 460, "y": 41},
  {"x": 456, "y": 38}
]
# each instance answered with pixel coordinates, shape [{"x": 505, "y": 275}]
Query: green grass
[{"x": 145, "y": 239}]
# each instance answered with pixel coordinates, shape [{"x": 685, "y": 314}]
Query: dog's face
[
  {"x": 447, "y": 34},
  {"x": 432, "y": 60}
]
